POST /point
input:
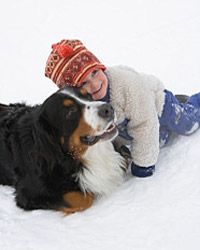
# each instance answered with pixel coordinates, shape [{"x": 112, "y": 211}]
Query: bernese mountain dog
[{"x": 60, "y": 155}]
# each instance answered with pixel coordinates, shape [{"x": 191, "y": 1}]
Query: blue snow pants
[{"x": 179, "y": 118}]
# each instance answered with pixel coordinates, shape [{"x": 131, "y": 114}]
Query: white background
[{"x": 160, "y": 37}]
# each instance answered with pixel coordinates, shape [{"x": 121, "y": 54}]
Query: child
[{"x": 149, "y": 112}]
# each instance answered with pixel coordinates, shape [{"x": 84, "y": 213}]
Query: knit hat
[{"x": 70, "y": 62}]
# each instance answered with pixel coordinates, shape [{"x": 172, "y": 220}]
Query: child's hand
[{"x": 142, "y": 171}]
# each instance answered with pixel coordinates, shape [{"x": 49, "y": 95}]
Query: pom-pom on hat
[{"x": 70, "y": 62}]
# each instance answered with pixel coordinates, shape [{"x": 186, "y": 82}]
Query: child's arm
[{"x": 144, "y": 128}]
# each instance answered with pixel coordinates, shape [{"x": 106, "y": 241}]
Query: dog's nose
[{"x": 106, "y": 111}]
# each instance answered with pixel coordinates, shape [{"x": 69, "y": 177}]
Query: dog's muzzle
[{"x": 105, "y": 117}]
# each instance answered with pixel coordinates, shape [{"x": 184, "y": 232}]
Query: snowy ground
[{"x": 155, "y": 36}]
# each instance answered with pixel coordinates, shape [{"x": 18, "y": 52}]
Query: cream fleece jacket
[{"x": 140, "y": 98}]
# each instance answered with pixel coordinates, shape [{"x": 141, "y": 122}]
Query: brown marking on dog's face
[
  {"x": 67, "y": 102},
  {"x": 76, "y": 147},
  {"x": 62, "y": 140},
  {"x": 83, "y": 91},
  {"x": 77, "y": 201}
]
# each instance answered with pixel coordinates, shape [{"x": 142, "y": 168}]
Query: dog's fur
[{"x": 59, "y": 155}]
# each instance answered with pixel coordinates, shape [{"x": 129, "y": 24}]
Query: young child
[{"x": 148, "y": 111}]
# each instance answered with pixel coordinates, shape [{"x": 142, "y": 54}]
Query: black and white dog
[{"x": 59, "y": 155}]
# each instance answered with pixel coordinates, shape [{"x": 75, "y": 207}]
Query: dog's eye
[{"x": 70, "y": 111}]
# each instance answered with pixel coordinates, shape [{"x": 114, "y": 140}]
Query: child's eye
[
  {"x": 83, "y": 84},
  {"x": 93, "y": 73}
]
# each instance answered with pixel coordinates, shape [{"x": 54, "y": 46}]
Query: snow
[{"x": 154, "y": 36}]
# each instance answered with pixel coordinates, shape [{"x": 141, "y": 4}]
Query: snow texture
[{"x": 159, "y": 37}]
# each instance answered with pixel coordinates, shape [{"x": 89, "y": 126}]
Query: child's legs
[
  {"x": 164, "y": 136},
  {"x": 181, "y": 118},
  {"x": 194, "y": 100}
]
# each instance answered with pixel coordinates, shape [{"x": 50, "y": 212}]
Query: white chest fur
[{"x": 104, "y": 169}]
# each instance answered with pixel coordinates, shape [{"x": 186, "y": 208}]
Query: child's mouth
[{"x": 94, "y": 93}]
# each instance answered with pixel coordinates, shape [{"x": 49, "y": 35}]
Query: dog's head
[{"x": 77, "y": 121}]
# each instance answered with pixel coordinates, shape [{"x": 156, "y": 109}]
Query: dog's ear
[
  {"x": 3, "y": 107},
  {"x": 50, "y": 112}
]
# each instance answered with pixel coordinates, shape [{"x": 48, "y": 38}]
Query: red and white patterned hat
[{"x": 70, "y": 62}]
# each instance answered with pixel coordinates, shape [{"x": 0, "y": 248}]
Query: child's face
[{"x": 96, "y": 84}]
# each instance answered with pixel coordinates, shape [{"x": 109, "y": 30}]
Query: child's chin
[{"x": 97, "y": 96}]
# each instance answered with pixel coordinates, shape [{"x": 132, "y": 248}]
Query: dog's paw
[{"x": 76, "y": 202}]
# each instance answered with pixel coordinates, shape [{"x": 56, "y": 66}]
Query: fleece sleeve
[{"x": 143, "y": 126}]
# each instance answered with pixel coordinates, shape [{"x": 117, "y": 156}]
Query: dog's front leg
[{"x": 76, "y": 201}]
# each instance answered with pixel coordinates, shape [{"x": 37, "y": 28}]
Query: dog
[{"x": 59, "y": 155}]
